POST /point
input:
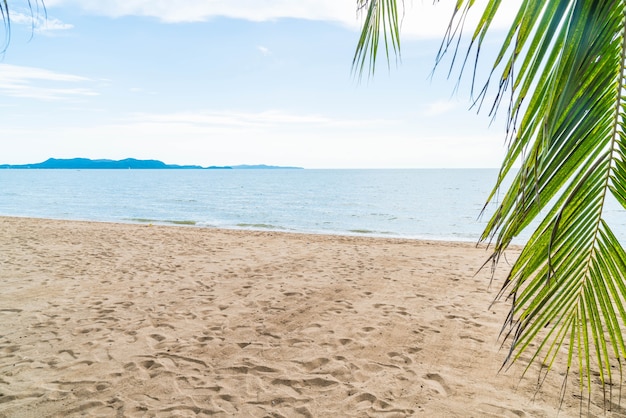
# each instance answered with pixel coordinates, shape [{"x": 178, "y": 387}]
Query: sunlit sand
[{"x": 103, "y": 319}]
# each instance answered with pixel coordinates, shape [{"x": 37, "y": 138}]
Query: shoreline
[
  {"x": 101, "y": 319},
  {"x": 278, "y": 230}
]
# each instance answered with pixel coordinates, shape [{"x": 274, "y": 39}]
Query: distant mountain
[
  {"x": 85, "y": 163},
  {"x": 263, "y": 167},
  {"x": 128, "y": 163}
]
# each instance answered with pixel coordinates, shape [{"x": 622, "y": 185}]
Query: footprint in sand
[
  {"x": 490, "y": 410},
  {"x": 365, "y": 400},
  {"x": 315, "y": 363},
  {"x": 399, "y": 358},
  {"x": 150, "y": 364},
  {"x": 157, "y": 337},
  {"x": 437, "y": 383},
  {"x": 469, "y": 337}
]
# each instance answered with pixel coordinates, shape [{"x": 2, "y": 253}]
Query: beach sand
[{"x": 101, "y": 319}]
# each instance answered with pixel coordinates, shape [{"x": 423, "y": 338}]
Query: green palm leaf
[
  {"x": 380, "y": 18},
  {"x": 565, "y": 64},
  {"x": 568, "y": 284}
]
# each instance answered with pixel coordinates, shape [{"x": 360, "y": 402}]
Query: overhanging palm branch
[
  {"x": 4, "y": 13},
  {"x": 380, "y": 18},
  {"x": 568, "y": 286},
  {"x": 564, "y": 63},
  {"x": 35, "y": 7}
]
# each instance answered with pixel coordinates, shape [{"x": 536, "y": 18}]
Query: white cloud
[
  {"x": 264, "y": 50},
  {"x": 40, "y": 24},
  {"x": 202, "y": 10},
  {"x": 421, "y": 19},
  {"x": 234, "y": 121},
  {"x": 39, "y": 83},
  {"x": 52, "y": 24}
]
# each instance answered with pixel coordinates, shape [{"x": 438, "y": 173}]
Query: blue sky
[{"x": 233, "y": 82}]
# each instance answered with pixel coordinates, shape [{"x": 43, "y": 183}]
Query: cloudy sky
[{"x": 224, "y": 82}]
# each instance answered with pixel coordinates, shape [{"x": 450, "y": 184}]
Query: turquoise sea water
[{"x": 427, "y": 204}]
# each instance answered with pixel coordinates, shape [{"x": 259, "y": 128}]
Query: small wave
[
  {"x": 369, "y": 232},
  {"x": 162, "y": 221},
  {"x": 182, "y": 222},
  {"x": 142, "y": 220},
  {"x": 260, "y": 226}
]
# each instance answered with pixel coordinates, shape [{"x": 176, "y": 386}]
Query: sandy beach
[{"x": 122, "y": 320}]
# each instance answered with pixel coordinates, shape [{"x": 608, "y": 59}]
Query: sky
[{"x": 227, "y": 82}]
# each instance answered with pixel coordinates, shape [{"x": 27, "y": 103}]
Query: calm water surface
[{"x": 431, "y": 204}]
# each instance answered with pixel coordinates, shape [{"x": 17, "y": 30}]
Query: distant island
[{"x": 128, "y": 163}]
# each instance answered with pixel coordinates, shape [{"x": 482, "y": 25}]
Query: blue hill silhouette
[{"x": 128, "y": 163}]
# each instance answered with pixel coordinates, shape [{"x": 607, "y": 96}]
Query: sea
[{"x": 433, "y": 204}]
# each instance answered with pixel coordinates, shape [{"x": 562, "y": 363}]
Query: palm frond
[
  {"x": 568, "y": 285},
  {"x": 562, "y": 63},
  {"x": 6, "y": 20},
  {"x": 35, "y": 7},
  {"x": 381, "y": 19}
]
